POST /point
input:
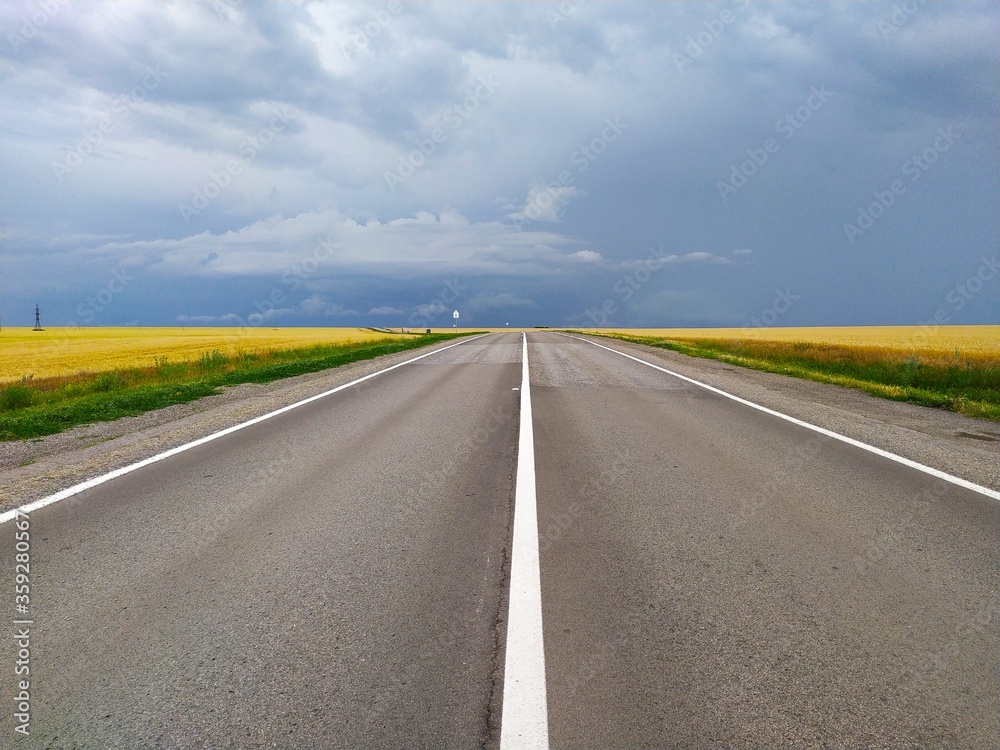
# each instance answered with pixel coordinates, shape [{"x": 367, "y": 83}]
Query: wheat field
[
  {"x": 58, "y": 352},
  {"x": 931, "y": 338},
  {"x": 931, "y": 343}
]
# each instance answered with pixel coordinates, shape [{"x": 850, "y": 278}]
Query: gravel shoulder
[
  {"x": 963, "y": 446},
  {"x": 33, "y": 469}
]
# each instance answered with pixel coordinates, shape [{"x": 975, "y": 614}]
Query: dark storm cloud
[{"x": 532, "y": 156}]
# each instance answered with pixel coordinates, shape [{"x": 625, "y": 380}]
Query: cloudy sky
[{"x": 549, "y": 163}]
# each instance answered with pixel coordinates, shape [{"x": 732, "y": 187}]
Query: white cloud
[
  {"x": 386, "y": 310},
  {"x": 322, "y": 244},
  {"x": 339, "y": 310},
  {"x": 227, "y": 318},
  {"x": 71, "y": 241},
  {"x": 500, "y": 301},
  {"x": 545, "y": 203},
  {"x": 670, "y": 307},
  {"x": 777, "y": 39},
  {"x": 659, "y": 258},
  {"x": 587, "y": 205},
  {"x": 697, "y": 257},
  {"x": 314, "y": 305}
]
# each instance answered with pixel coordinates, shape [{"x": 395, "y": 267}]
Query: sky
[{"x": 569, "y": 164}]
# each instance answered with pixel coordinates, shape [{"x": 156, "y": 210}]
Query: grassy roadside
[
  {"x": 963, "y": 382},
  {"x": 34, "y": 408}
]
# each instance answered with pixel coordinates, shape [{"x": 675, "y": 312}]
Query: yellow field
[
  {"x": 980, "y": 341},
  {"x": 68, "y": 351}
]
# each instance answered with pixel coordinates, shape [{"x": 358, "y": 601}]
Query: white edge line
[
  {"x": 964, "y": 483},
  {"x": 90, "y": 483},
  {"x": 524, "y": 723}
]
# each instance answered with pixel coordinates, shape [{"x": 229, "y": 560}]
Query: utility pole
[{"x": 38, "y": 319}]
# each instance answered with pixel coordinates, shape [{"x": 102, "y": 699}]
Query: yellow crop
[
  {"x": 928, "y": 343},
  {"x": 69, "y": 351}
]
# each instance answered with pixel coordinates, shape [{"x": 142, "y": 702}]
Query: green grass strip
[
  {"x": 30, "y": 412},
  {"x": 973, "y": 391}
]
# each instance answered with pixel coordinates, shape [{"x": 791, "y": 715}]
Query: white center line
[{"x": 525, "y": 720}]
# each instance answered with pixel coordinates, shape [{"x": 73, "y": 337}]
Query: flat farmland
[
  {"x": 952, "y": 367},
  {"x": 56, "y": 352},
  {"x": 56, "y": 379},
  {"x": 914, "y": 340}
]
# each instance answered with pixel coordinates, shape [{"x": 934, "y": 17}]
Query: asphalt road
[{"x": 711, "y": 576}]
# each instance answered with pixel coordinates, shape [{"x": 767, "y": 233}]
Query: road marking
[
  {"x": 964, "y": 483},
  {"x": 90, "y": 483},
  {"x": 525, "y": 719}
]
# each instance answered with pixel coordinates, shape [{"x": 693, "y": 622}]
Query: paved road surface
[{"x": 711, "y": 576}]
